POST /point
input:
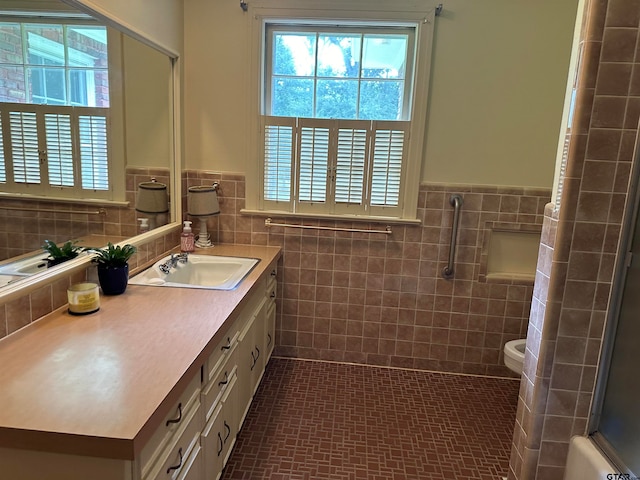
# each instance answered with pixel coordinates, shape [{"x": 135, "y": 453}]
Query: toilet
[{"x": 514, "y": 355}]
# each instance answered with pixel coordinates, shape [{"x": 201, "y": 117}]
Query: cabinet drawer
[
  {"x": 272, "y": 286},
  {"x": 178, "y": 459},
  {"x": 222, "y": 354},
  {"x": 213, "y": 392},
  {"x": 219, "y": 434},
  {"x": 173, "y": 422},
  {"x": 193, "y": 468}
]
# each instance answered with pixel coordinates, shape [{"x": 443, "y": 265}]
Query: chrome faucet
[{"x": 173, "y": 261}]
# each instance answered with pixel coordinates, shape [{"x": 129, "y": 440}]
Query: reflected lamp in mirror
[
  {"x": 202, "y": 202},
  {"x": 152, "y": 200}
]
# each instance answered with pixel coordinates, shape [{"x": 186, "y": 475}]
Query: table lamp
[
  {"x": 152, "y": 200},
  {"x": 202, "y": 202}
]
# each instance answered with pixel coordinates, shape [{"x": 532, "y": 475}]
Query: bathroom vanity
[{"x": 155, "y": 385}]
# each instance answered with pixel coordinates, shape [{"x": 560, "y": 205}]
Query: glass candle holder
[{"x": 84, "y": 298}]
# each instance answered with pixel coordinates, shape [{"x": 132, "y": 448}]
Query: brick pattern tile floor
[{"x": 316, "y": 420}]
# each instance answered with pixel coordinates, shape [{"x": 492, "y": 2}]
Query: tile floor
[{"x": 316, "y": 420}]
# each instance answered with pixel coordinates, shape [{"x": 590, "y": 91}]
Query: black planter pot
[{"x": 113, "y": 280}]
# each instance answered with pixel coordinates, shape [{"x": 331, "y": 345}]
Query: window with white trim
[
  {"x": 342, "y": 106},
  {"x": 54, "y": 109}
]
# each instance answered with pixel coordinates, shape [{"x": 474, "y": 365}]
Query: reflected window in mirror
[{"x": 55, "y": 115}]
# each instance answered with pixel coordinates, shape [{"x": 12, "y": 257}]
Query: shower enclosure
[{"x": 615, "y": 419}]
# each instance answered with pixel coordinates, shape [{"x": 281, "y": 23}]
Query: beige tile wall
[
  {"x": 24, "y": 231},
  {"x": 380, "y": 299},
  {"x": 580, "y": 239}
]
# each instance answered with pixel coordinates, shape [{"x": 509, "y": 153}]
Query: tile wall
[
  {"x": 24, "y": 231},
  {"x": 580, "y": 237},
  {"x": 380, "y": 299}
]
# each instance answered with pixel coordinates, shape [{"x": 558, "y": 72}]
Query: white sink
[
  {"x": 200, "y": 271},
  {"x": 26, "y": 266}
]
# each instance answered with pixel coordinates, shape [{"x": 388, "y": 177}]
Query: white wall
[
  {"x": 159, "y": 20},
  {"x": 148, "y": 101},
  {"x": 499, "y": 76}
]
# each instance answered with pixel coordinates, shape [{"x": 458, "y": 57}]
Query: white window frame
[
  {"x": 363, "y": 12},
  {"x": 43, "y": 47}
]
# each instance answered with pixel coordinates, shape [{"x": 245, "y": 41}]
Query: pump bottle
[{"x": 186, "y": 238}]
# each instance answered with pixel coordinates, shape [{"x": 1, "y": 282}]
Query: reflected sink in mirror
[
  {"x": 25, "y": 266},
  {"x": 7, "y": 279},
  {"x": 199, "y": 271}
]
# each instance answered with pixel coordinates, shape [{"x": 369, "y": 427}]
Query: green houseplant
[
  {"x": 113, "y": 267},
  {"x": 59, "y": 254}
]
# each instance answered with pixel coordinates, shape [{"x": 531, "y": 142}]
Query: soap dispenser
[
  {"x": 144, "y": 225},
  {"x": 186, "y": 238}
]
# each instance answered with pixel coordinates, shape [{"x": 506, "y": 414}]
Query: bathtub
[{"x": 586, "y": 462}]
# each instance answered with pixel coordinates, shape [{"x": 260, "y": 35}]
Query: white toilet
[{"x": 514, "y": 355}]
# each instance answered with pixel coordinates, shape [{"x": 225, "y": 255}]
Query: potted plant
[
  {"x": 113, "y": 267},
  {"x": 59, "y": 254}
]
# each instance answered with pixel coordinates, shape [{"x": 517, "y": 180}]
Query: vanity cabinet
[{"x": 194, "y": 435}]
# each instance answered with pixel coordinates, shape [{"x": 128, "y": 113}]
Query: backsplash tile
[{"x": 35, "y": 304}]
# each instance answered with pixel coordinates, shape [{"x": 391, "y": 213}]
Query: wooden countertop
[{"x": 99, "y": 384}]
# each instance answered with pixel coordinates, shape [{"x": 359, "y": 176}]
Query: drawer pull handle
[
  {"x": 176, "y": 467},
  {"x": 273, "y": 273},
  {"x": 269, "y": 337},
  {"x": 221, "y": 443},
  {"x": 273, "y": 295},
  {"x": 228, "y": 345},
  {"x": 258, "y": 355},
  {"x": 228, "y": 428},
  {"x": 176, "y": 420},
  {"x": 254, "y": 360},
  {"x": 225, "y": 381}
]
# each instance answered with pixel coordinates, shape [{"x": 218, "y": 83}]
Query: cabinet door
[
  {"x": 246, "y": 361},
  {"x": 259, "y": 347},
  {"x": 270, "y": 331},
  {"x": 220, "y": 432},
  {"x": 213, "y": 445},
  {"x": 229, "y": 419}
]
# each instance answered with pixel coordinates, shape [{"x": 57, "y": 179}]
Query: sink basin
[
  {"x": 26, "y": 266},
  {"x": 200, "y": 271}
]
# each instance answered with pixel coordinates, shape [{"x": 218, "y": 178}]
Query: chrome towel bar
[
  {"x": 269, "y": 223},
  {"x": 456, "y": 203},
  {"x": 100, "y": 211}
]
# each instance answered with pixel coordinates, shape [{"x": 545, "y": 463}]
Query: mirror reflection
[{"x": 85, "y": 119}]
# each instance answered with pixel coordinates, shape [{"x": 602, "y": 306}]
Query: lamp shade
[
  {"x": 202, "y": 201},
  {"x": 152, "y": 197}
]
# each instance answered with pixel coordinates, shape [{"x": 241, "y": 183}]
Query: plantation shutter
[
  {"x": 313, "y": 160},
  {"x": 279, "y": 149},
  {"x": 334, "y": 166},
  {"x": 94, "y": 161},
  {"x": 24, "y": 147},
  {"x": 48, "y": 148},
  {"x": 351, "y": 164},
  {"x": 59, "y": 149},
  {"x": 390, "y": 140}
]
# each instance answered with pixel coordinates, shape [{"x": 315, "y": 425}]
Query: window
[
  {"x": 54, "y": 109},
  {"x": 342, "y": 107}
]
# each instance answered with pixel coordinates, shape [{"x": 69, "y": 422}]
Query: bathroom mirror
[{"x": 104, "y": 84}]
